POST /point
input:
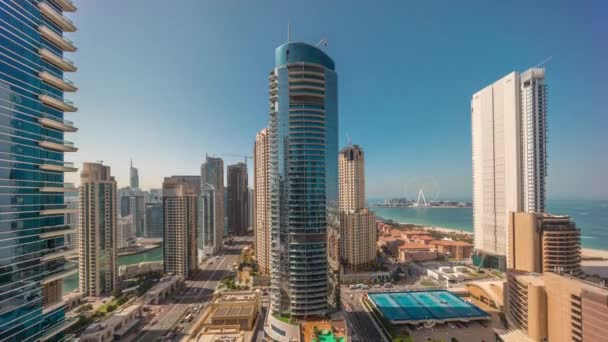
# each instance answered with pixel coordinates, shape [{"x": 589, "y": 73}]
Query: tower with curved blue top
[{"x": 303, "y": 126}]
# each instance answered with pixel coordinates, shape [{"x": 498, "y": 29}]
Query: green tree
[{"x": 117, "y": 293}]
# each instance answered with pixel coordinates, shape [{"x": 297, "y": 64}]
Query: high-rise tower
[
  {"x": 180, "y": 212},
  {"x": 133, "y": 177},
  {"x": 261, "y": 227},
  {"x": 358, "y": 232},
  {"x": 509, "y": 158},
  {"x": 207, "y": 239},
  {"x": 34, "y": 232},
  {"x": 238, "y": 196},
  {"x": 212, "y": 172},
  {"x": 97, "y": 238},
  {"x": 533, "y": 93},
  {"x": 303, "y": 151}
]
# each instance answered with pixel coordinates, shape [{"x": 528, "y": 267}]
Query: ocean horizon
[{"x": 590, "y": 216}]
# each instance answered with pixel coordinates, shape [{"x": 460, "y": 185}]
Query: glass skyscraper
[
  {"x": 303, "y": 126},
  {"x": 33, "y": 229}
]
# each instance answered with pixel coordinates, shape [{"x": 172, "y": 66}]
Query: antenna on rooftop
[
  {"x": 545, "y": 61},
  {"x": 322, "y": 42},
  {"x": 288, "y": 32},
  {"x": 349, "y": 141}
]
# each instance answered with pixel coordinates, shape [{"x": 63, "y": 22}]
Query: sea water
[{"x": 590, "y": 216}]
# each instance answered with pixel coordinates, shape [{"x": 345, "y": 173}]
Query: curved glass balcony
[
  {"x": 65, "y": 167},
  {"x": 66, "y": 5},
  {"x": 60, "y": 41},
  {"x": 67, "y": 187},
  {"x": 66, "y": 146},
  {"x": 58, "y": 61},
  {"x": 58, "y": 82},
  {"x": 62, "y": 105},
  {"x": 64, "y": 125},
  {"x": 48, "y": 11}
]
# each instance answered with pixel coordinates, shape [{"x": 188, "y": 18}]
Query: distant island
[{"x": 404, "y": 202}]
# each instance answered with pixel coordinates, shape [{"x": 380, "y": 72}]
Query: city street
[
  {"x": 360, "y": 320},
  {"x": 198, "y": 291}
]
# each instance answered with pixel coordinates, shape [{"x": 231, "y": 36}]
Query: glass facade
[
  {"x": 303, "y": 125},
  {"x": 33, "y": 229}
]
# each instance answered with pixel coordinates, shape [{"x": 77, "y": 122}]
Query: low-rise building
[
  {"x": 115, "y": 327},
  {"x": 453, "y": 249},
  {"x": 391, "y": 244},
  {"x": 230, "y": 310},
  {"x": 414, "y": 251},
  {"x": 424, "y": 239}
]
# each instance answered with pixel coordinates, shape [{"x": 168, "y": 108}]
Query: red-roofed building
[
  {"x": 391, "y": 243},
  {"x": 410, "y": 234},
  {"x": 424, "y": 239},
  {"x": 414, "y": 251},
  {"x": 455, "y": 249}
]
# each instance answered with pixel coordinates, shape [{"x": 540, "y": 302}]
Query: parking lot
[{"x": 473, "y": 332}]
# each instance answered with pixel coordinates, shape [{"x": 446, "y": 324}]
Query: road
[
  {"x": 198, "y": 290},
  {"x": 360, "y": 319}
]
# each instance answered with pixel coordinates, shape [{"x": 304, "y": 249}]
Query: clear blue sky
[{"x": 165, "y": 82}]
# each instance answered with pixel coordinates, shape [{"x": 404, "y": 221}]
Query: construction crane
[{"x": 235, "y": 155}]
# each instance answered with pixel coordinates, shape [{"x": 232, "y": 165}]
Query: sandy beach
[
  {"x": 585, "y": 252},
  {"x": 594, "y": 253}
]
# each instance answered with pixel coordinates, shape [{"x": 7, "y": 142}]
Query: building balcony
[
  {"x": 57, "y": 39},
  {"x": 307, "y": 87},
  {"x": 60, "y": 211},
  {"x": 66, "y": 272},
  {"x": 67, "y": 187},
  {"x": 53, "y": 307},
  {"x": 306, "y": 80},
  {"x": 48, "y": 11},
  {"x": 64, "y": 125},
  {"x": 62, "y": 105},
  {"x": 66, "y": 5},
  {"x": 306, "y": 73},
  {"x": 60, "y": 232},
  {"x": 53, "y": 331},
  {"x": 58, "y": 254},
  {"x": 58, "y": 61},
  {"x": 66, "y": 146},
  {"x": 66, "y": 167},
  {"x": 60, "y": 83}
]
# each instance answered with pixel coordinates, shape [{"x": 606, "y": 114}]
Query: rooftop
[
  {"x": 450, "y": 243},
  {"x": 414, "y": 246},
  {"x": 415, "y": 307}
]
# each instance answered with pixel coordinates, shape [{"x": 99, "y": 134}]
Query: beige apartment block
[
  {"x": 351, "y": 166},
  {"x": 544, "y": 243},
  {"x": 358, "y": 237},
  {"x": 557, "y": 308},
  {"x": 97, "y": 246},
  {"x": 358, "y": 233},
  {"x": 180, "y": 197},
  {"x": 261, "y": 180}
]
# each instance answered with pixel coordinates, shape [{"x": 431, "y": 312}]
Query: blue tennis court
[{"x": 416, "y": 306}]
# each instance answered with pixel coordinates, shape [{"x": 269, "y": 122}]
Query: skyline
[{"x": 207, "y": 94}]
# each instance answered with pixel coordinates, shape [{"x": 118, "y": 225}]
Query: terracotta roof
[
  {"x": 424, "y": 237},
  {"x": 414, "y": 245},
  {"x": 414, "y": 232},
  {"x": 395, "y": 232},
  {"x": 450, "y": 243}
]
